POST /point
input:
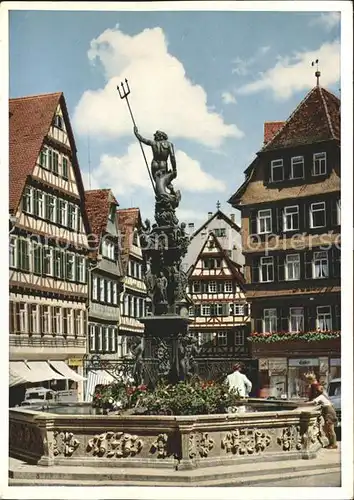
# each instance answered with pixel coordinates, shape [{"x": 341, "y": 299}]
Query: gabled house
[
  {"x": 105, "y": 274},
  {"x": 47, "y": 245},
  {"x": 133, "y": 299},
  {"x": 224, "y": 228},
  {"x": 290, "y": 212},
  {"x": 220, "y": 312}
]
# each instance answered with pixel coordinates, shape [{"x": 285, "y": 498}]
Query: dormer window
[
  {"x": 319, "y": 164},
  {"x": 297, "y": 167},
  {"x": 58, "y": 122},
  {"x": 108, "y": 249},
  {"x": 277, "y": 170}
]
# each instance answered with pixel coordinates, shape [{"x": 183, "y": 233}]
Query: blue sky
[{"x": 209, "y": 79}]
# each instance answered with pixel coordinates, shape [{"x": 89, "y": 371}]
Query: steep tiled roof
[
  {"x": 30, "y": 120},
  {"x": 317, "y": 118},
  {"x": 97, "y": 203},
  {"x": 127, "y": 220},
  {"x": 220, "y": 215},
  {"x": 270, "y": 129}
]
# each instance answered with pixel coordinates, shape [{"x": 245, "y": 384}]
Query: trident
[{"x": 124, "y": 95}]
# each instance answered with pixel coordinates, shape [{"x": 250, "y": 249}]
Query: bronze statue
[
  {"x": 162, "y": 149},
  {"x": 161, "y": 288}
]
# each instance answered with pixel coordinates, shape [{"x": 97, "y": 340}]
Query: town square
[{"x": 176, "y": 291}]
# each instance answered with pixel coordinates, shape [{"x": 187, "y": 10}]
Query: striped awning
[
  {"x": 94, "y": 378},
  {"x": 19, "y": 373},
  {"x": 66, "y": 371},
  {"x": 42, "y": 371}
]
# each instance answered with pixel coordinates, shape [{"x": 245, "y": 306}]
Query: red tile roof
[
  {"x": 317, "y": 118},
  {"x": 270, "y": 129},
  {"x": 97, "y": 204},
  {"x": 127, "y": 220},
  {"x": 30, "y": 120}
]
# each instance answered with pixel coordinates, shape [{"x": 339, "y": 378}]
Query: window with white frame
[
  {"x": 239, "y": 338},
  {"x": 196, "y": 286},
  {"x": 297, "y": 167},
  {"x": 94, "y": 288},
  {"x": 24, "y": 261},
  {"x": 102, "y": 286},
  {"x": 22, "y": 317},
  {"x": 324, "y": 318},
  {"x": 33, "y": 318},
  {"x": 80, "y": 266},
  {"x": 296, "y": 319},
  {"x": 220, "y": 232},
  {"x": 99, "y": 338},
  {"x": 43, "y": 158},
  {"x": 269, "y": 320},
  {"x": 70, "y": 325},
  {"x": 63, "y": 212},
  {"x": 338, "y": 212},
  {"x": 318, "y": 214},
  {"x": 13, "y": 252},
  {"x": 239, "y": 309},
  {"x": 212, "y": 287},
  {"x": 64, "y": 317},
  {"x": 27, "y": 201},
  {"x": 319, "y": 164},
  {"x": 72, "y": 222},
  {"x": 50, "y": 203},
  {"x": 92, "y": 345},
  {"x": 58, "y": 263},
  {"x": 56, "y": 320},
  {"x": 106, "y": 338},
  {"x": 320, "y": 265},
  {"x": 228, "y": 286},
  {"x": 109, "y": 291},
  {"x": 48, "y": 261},
  {"x": 266, "y": 269},
  {"x": 264, "y": 221},
  {"x": 65, "y": 168},
  {"x": 79, "y": 322},
  {"x": 39, "y": 204},
  {"x": 115, "y": 293},
  {"x": 70, "y": 266},
  {"x": 45, "y": 319},
  {"x": 277, "y": 170},
  {"x": 292, "y": 267},
  {"x": 291, "y": 218},
  {"x": 205, "y": 310},
  {"x": 222, "y": 338},
  {"x": 112, "y": 339},
  {"x": 108, "y": 249}
]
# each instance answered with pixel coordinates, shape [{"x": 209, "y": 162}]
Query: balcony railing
[{"x": 23, "y": 340}]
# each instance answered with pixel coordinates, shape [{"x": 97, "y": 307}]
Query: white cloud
[
  {"x": 295, "y": 73},
  {"x": 242, "y": 66},
  {"x": 328, "y": 20},
  {"x": 162, "y": 96},
  {"x": 128, "y": 174},
  {"x": 228, "y": 98}
]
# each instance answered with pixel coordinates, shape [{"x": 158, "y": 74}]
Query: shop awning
[
  {"x": 66, "y": 371},
  {"x": 19, "y": 373},
  {"x": 42, "y": 371},
  {"x": 94, "y": 378}
]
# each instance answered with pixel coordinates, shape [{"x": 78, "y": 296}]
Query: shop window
[{"x": 297, "y": 383}]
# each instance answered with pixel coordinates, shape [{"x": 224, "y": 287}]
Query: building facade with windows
[
  {"x": 290, "y": 210},
  {"x": 133, "y": 299},
  {"x": 220, "y": 313},
  {"x": 105, "y": 274},
  {"x": 47, "y": 244},
  {"x": 224, "y": 228}
]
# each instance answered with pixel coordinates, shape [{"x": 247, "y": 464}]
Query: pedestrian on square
[
  {"x": 328, "y": 413},
  {"x": 239, "y": 383}
]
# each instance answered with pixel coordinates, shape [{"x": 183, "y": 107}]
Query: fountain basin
[{"x": 167, "y": 442}]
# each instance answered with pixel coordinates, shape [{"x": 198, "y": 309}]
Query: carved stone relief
[
  {"x": 290, "y": 438},
  {"x": 26, "y": 437},
  {"x": 245, "y": 441},
  {"x": 64, "y": 444},
  {"x": 160, "y": 446},
  {"x": 200, "y": 444},
  {"x": 114, "y": 444}
]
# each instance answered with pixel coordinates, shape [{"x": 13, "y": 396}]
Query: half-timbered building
[
  {"x": 48, "y": 244},
  {"x": 133, "y": 299},
  {"x": 220, "y": 312},
  {"x": 290, "y": 210}
]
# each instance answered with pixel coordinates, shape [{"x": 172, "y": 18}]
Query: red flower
[
  {"x": 142, "y": 387},
  {"x": 130, "y": 390}
]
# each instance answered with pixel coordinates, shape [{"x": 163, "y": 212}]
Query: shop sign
[
  {"x": 335, "y": 362},
  {"x": 277, "y": 366},
  {"x": 263, "y": 364},
  {"x": 75, "y": 361},
  {"x": 304, "y": 362}
]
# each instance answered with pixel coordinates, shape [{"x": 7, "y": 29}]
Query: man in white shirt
[{"x": 238, "y": 382}]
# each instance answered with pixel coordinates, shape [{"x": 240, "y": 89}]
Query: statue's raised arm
[{"x": 142, "y": 139}]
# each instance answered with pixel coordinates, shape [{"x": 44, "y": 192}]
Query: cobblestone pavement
[{"x": 322, "y": 480}]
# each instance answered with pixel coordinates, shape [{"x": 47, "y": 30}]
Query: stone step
[
  {"x": 264, "y": 479},
  {"x": 22, "y": 472}
]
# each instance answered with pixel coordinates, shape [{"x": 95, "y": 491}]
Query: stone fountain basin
[{"x": 171, "y": 442}]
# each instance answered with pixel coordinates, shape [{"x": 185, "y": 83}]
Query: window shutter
[
  {"x": 308, "y": 264},
  {"x": 35, "y": 202},
  {"x": 50, "y": 159},
  {"x": 283, "y": 320},
  {"x": 58, "y": 214},
  {"x": 255, "y": 270},
  {"x": 220, "y": 286},
  {"x": 231, "y": 309},
  {"x": 197, "y": 310},
  {"x": 77, "y": 267},
  {"x": 311, "y": 318},
  {"x": 253, "y": 222},
  {"x": 280, "y": 261},
  {"x": 334, "y": 262},
  {"x": 204, "y": 286},
  {"x": 305, "y": 219},
  {"x": 259, "y": 325},
  {"x": 333, "y": 218},
  {"x": 278, "y": 223}
]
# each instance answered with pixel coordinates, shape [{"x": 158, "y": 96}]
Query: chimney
[
  {"x": 232, "y": 217},
  {"x": 270, "y": 129},
  {"x": 210, "y": 214},
  {"x": 191, "y": 227}
]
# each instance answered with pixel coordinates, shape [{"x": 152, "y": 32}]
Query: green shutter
[
  {"x": 65, "y": 168},
  {"x": 55, "y": 162},
  {"x": 35, "y": 202},
  {"x": 50, "y": 159}
]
